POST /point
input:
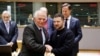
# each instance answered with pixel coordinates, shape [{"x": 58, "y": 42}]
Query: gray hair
[
  {"x": 44, "y": 9},
  {"x": 6, "y": 12},
  {"x": 36, "y": 13}
]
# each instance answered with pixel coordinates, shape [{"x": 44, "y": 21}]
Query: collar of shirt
[
  {"x": 69, "y": 17},
  {"x": 6, "y": 22},
  {"x": 68, "y": 22},
  {"x": 39, "y": 27}
]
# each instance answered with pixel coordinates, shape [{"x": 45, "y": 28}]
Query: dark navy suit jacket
[
  {"x": 76, "y": 29},
  {"x": 50, "y": 26},
  {"x": 6, "y": 37}
]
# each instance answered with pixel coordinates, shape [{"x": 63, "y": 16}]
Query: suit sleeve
[
  {"x": 15, "y": 34},
  {"x": 30, "y": 42},
  {"x": 78, "y": 32},
  {"x": 2, "y": 40},
  {"x": 67, "y": 46}
]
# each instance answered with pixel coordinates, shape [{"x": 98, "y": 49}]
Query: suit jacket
[
  {"x": 50, "y": 26},
  {"x": 6, "y": 37},
  {"x": 62, "y": 42},
  {"x": 32, "y": 44},
  {"x": 76, "y": 29}
]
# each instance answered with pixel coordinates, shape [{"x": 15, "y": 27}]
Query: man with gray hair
[
  {"x": 8, "y": 31},
  {"x": 48, "y": 23},
  {"x": 35, "y": 37}
]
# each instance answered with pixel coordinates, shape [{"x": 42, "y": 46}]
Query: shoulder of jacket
[
  {"x": 12, "y": 21},
  {"x": 30, "y": 26},
  {"x": 75, "y": 19}
]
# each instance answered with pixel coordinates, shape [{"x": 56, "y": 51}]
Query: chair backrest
[{"x": 5, "y": 50}]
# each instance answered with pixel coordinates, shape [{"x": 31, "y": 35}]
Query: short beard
[{"x": 60, "y": 28}]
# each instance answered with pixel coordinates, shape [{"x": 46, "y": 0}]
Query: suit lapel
[
  {"x": 71, "y": 22},
  {"x": 4, "y": 27}
]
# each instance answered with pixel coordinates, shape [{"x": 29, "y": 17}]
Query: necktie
[
  {"x": 66, "y": 23},
  {"x": 43, "y": 36},
  {"x": 7, "y": 27}
]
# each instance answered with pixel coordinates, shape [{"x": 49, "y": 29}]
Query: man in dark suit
[
  {"x": 8, "y": 31},
  {"x": 34, "y": 37},
  {"x": 49, "y": 22},
  {"x": 73, "y": 24},
  {"x": 61, "y": 39}
]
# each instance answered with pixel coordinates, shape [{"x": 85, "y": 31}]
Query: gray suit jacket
[{"x": 32, "y": 44}]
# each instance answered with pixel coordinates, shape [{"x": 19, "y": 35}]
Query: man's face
[
  {"x": 58, "y": 23},
  {"x": 66, "y": 12},
  {"x": 40, "y": 20},
  {"x": 6, "y": 17}
]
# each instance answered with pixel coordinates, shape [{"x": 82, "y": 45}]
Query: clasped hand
[{"x": 48, "y": 48}]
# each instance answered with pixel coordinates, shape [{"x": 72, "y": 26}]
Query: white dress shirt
[
  {"x": 68, "y": 22},
  {"x": 43, "y": 36}
]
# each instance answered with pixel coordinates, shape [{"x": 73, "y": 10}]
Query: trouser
[{"x": 74, "y": 53}]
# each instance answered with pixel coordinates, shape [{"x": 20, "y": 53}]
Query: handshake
[{"x": 48, "y": 51}]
